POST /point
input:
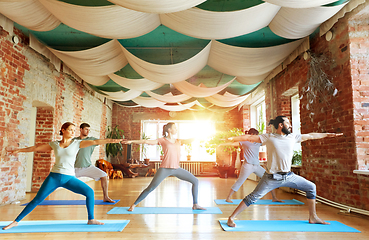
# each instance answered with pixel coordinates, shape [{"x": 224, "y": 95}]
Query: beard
[{"x": 286, "y": 130}]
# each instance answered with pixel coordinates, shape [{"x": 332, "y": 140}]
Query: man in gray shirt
[
  {"x": 278, "y": 173},
  {"x": 83, "y": 166}
]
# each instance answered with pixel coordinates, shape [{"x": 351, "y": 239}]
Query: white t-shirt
[
  {"x": 65, "y": 157},
  {"x": 251, "y": 152},
  {"x": 279, "y": 151}
]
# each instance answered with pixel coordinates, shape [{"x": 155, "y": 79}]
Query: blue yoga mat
[
  {"x": 260, "y": 202},
  {"x": 65, "y": 226},
  {"x": 73, "y": 202},
  {"x": 285, "y": 226},
  {"x": 164, "y": 210}
]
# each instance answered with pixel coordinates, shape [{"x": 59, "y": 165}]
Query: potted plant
[
  {"x": 144, "y": 149},
  {"x": 112, "y": 150},
  {"x": 225, "y": 155},
  {"x": 188, "y": 148}
]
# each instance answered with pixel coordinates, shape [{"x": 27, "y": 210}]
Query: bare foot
[
  {"x": 108, "y": 199},
  {"x": 198, "y": 207},
  {"x": 318, "y": 221},
  {"x": 277, "y": 200},
  {"x": 229, "y": 200},
  {"x": 13, "y": 224},
  {"x": 230, "y": 222},
  {"x": 132, "y": 208},
  {"x": 94, "y": 222}
]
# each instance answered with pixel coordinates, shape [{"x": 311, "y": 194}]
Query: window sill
[{"x": 363, "y": 172}]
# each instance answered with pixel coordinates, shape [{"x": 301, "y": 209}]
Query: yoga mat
[
  {"x": 65, "y": 226},
  {"x": 73, "y": 202},
  {"x": 164, "y": 210},
  {"x": 260, "y": 202},
  {"x": 285, "y": 226}
]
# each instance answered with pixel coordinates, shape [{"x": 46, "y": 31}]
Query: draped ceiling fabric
[{"x": 175, "y": 55}]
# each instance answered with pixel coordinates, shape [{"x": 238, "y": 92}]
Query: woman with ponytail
[
  {"x": 170, "y": 164},
  {"x": 62, "y": 173}
]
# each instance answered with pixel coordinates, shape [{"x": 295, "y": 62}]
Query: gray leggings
[{"x": 162, "y": 173}]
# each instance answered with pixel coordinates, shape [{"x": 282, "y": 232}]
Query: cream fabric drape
[
  {"x": 294, "y": 23},
  {"x": 123, "y": 96},
  {"x": 199, "y": 91},
  {"x": 292, "y": 19},
  {"x": 180, "y": 107},
  {"x": 99, "y": 61},
  {"x": 148, "y": 102},
  {"x": 250, "y": 62},
  {"x": 226, "y": 100},
  {"x": 169, "y": 73},
  {"x": 199, "y": 23},
  {"x": 31, "y": 14},
  {"x": 136, "y": 84},
  {"x": 108, "y": 21},
  {"x": 158, "y": 6},
  {"x": 169, "y": 97}
]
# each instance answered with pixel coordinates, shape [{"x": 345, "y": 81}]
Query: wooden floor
[{"x": 175, "y": 193}]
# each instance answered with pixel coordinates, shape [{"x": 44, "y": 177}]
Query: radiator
[{"x": 192, "y": 167}]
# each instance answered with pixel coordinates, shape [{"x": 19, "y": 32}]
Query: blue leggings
[{"x": 51, "y": 183}]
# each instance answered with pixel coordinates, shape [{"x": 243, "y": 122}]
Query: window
[
  {"x": 199, "y": 130},
  {"x": 258, "y": 119},
  {"x": 296, "y": 123}
]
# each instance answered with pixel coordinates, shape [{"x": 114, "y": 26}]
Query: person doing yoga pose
[
  {"x": 251, "y": 164},
  {"x": 169, "y": 165},
  {"x": 83, "y": 166},
  {"x": 62, "y": 173},
  {"x": 278, "y": 173}
]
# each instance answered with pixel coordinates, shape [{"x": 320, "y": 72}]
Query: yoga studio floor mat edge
[
  {"x": 65, "y": 226},
  {"x": 164, "y": 210},
  {"x": 285, "y": 226},
  {"x": 71, "y": 202}
]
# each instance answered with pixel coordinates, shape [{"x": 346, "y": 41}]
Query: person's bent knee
[
  {"x": 248, "y": 201},
  {"x": 311, "y": 193}
]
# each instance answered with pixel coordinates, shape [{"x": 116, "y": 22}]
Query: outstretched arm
[
  {"x": 186, "y": 141},
  {"x": 39, "y": 148},
  {"x": 311, "y": 136},
  {"x": 87, "y": 143},
  {"x": 250, "y": 138},
  {"x": 150, "y": 142},
  {"x": 234, "y": 144}
]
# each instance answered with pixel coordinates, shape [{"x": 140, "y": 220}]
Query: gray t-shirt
[
  {"x": 279, "y": 151},
  {"x": 251, "y": 152},
  {"x": 65, "y": 157},
  {"x": 83, "y": 159}
]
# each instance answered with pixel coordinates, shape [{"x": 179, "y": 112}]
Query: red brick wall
[
  {"x": 43, "y": 85},
  {"x": 42, "y": 161},
  {"x": 129, "y": 119},
  {"x": 103, "y": 127},
  {"x": 330, "y": 162},
  {"x": 13, "y": 65},
  {"x": 246, "y": 117}
]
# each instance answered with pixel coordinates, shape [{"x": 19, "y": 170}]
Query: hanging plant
[{"x": 319, "y": 84}]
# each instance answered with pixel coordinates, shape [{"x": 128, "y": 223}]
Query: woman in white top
[{"x": 62, "y": 173}]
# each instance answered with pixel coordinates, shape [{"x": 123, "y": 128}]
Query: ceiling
[{"x": 176, "y": 55}]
